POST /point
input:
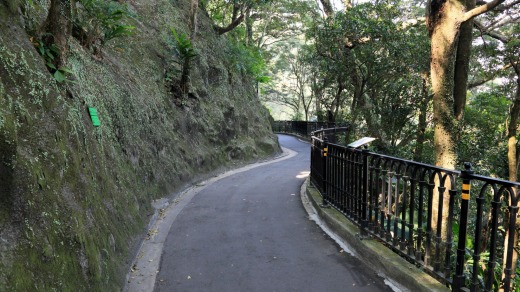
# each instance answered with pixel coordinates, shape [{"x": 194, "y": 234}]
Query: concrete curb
[{"x": 401, "y": 273}]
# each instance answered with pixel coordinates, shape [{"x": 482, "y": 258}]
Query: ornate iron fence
[{"x": 425, "y": 213}]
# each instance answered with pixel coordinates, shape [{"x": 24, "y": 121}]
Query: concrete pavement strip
[{"x": 142, "y": 274}]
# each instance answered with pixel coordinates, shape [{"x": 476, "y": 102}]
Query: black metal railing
[
  {"x": 469, "y": 245},
  {"x": 302, "y": 128}
]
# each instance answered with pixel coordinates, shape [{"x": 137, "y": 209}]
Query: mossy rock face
[{"x": 74, "y": 198}]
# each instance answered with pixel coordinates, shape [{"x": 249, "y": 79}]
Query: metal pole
[
  {"x": 325, "y": 195},
  {"x": 364, "y": 192},
  {"x": 459, "y": 279}
]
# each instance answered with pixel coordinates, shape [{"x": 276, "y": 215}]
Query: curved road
[{"x": 250, "y": 232}]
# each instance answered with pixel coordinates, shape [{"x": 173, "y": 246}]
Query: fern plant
[
  {"x": 49, "y": 54},
  {"x": 186, "y": 52},
  {"x": 99, "y": 20}
]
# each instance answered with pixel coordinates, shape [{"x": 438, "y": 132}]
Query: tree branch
[
  {"x": 481, "y": 9},
  {"x": 492, "y": 34},
  {"x": 231, "y": 26},
  {"x": 505, "y": 7},
  {"x": 491, "y": 77}
]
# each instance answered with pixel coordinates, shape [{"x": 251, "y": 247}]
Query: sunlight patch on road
[{"x": 303, "y": 174}]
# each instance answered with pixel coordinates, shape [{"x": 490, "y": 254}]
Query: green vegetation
[
  {"x": 371, "y": 64},
  {"x": 183, "y": 46},
  {"x": 248, "y": 61},
  {"x": 50, "y": 53},
  {"x": 444, "y": 89},
  {"x": 185, "y": 52},
  {"x": 97, "y": 21}
]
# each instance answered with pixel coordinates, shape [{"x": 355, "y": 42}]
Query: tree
[
  {"x": 504, "y": 29},
  {"x": 501, "y": 49},
  {"x": 58, "y": 27},
  {"x": 371, "y": 71},
  {"x": 300, "y": 72},
  {"x": 448, "y": 23}
]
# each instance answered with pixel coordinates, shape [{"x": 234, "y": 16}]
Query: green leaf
[
  {"x": 54, "y": 49},
  {"x": 59, "y": 76},
  {"x": 50, "y": 65},
  {"x": 49, "y": 55},
  {"x": 65, "y": 70},
  {"x": 41, "y": 49}
]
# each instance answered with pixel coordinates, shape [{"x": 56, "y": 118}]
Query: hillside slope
[{"x": 75, "y": 199}]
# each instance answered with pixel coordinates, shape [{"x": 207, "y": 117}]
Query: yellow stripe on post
[
  {"x": 465, "y": 191},
  {"x": 325, "y": 152}
]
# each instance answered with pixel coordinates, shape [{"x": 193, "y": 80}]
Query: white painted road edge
[{"x": 142, "y": 274}]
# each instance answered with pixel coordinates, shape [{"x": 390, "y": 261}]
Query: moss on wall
[{"x": 74, "y": 199}]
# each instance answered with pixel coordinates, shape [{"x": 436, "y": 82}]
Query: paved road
[{"x": 250, "y": 232}]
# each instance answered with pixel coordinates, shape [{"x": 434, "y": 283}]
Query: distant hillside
[{"x": 75, "y": 198}]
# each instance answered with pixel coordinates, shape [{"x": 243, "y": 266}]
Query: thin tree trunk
[
  {"x": 358, "y": 83},
  {"x": 347, "y": 4},
  {"x": 423, "y": 111},
  {"x": 185, "y": 75},
  {"x": 194, "y": 7},
  {"x": 249, "y": 28},
  {"x": 327, "y": 8},
  {"x": 59, "y": 25},
  {"x": 462, "y": 64},
  {"x": 337, "y": 99},
  {"x": 186, "y": 66}
]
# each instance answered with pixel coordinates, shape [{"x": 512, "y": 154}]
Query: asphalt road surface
[{"x": 250, "y": 232}]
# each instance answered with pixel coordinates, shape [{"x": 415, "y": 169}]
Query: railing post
[
  {"x": 364, "y": 193},
  {"x": 465, "y": 175},
  {"x": 325, "y": 195}
]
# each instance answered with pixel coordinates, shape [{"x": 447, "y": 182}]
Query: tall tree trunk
[
  {"x": 444, "y": 37},
  {"x": 512, "y": 158},
  {"x": 59, "y": 25},
  {"x": 512, "y": 131},
  {"x": 444, "y": 20},
  {"x": 444, "y": 24}
]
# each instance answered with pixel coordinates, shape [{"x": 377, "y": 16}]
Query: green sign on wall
[{"x": 94, "y": 117}]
